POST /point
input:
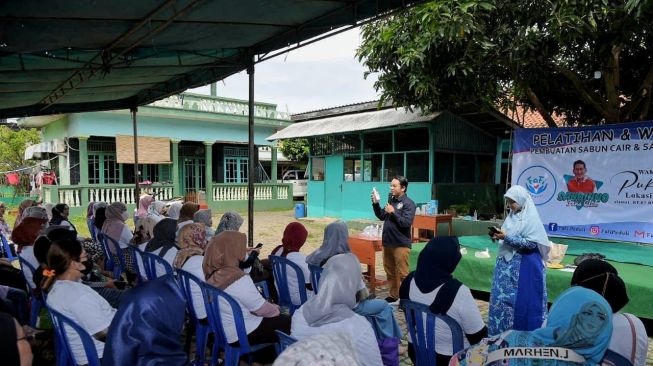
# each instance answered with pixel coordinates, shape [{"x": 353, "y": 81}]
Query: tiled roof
[{"x": 531, "y": 118}]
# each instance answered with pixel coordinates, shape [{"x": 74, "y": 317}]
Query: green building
[
  {"x": 459, "y": 159},
  {"x": 188, "y": 145}
]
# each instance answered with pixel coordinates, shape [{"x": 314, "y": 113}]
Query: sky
[{"x": 321, "y": 75}]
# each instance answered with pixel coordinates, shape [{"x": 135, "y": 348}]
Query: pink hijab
[
  {"x": 114, "y": 223},
  {"x": 143, "y": 205}
]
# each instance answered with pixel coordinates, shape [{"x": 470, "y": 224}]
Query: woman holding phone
[{"x": 518, "y": 296}]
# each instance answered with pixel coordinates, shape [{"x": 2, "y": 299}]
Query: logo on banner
[
  {"x": 595, "y": 230},
  {"x": 540, "y": 183}
]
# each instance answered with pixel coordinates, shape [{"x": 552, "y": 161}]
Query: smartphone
[
  {"x": 494, "y": 229},
  {"x": 259, "y": 246}
]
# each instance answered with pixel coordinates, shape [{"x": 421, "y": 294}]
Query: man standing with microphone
[{"x": 398, "y": 215}]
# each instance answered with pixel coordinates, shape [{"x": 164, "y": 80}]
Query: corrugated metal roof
[{"x": 353, "y": 122}]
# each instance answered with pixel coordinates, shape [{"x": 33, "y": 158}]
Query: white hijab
[
  {"x": 154, "y": 211},
  {"x": 174, "y": 209},
  {"x": 525, "y": 223}
]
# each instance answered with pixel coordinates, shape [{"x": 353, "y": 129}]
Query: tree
[
  {"x": 13, "y": 144},
  {"x": 590, "y": 61},
  {"x": 295, "y": 149}
]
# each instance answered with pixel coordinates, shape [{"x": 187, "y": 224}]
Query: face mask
[
  {"x": 88, "y": 267},
  {"x": 124, "y": 215}
]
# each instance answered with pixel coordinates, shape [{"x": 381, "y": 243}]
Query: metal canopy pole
[
  {"x": 250, "y": 163},
  {"x": 137, "y": 195}
]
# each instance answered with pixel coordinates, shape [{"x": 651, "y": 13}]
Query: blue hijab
[
  {"x": 525, "y": 223},
  {"x": 580, "y": 319},
  {"x": 147, "y": 328}
]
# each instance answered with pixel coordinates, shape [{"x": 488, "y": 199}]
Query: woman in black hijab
[{"x": 432, "y": 284}]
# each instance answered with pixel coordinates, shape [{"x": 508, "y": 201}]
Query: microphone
[{"x": 390, "y": 197}]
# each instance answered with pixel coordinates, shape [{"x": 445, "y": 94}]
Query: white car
[{"x": 299, "y": 182}]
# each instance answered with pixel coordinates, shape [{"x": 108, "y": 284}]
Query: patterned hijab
[
  {"x": 164, "y": 237},
  {"x": 230, "y": 220},
  {"x": 294, "y": 237},
  {"x": 188, "y": 209},
  {"x": 580, "y": 320},
  {"x": 222, "y": 258},
  {"x": 525, "y": 223},
  {"x": 336, "y": 296},
  {"x": 336, "y": 241},
  {"x": 192, "y": 241},
  {"x": 114, "y": 222}
]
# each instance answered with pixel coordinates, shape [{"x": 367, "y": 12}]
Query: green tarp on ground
[{"x": 476, "y": 273}]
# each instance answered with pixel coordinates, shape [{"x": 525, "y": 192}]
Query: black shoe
[{"x": 390, "y": 299}]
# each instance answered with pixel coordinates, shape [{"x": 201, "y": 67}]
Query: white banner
[{"x": 594, "y": 182}]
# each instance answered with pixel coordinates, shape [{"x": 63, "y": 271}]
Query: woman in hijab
[
  {"x": 602, "y": 277},
  {"x": 60, "y": 214},
  {"x": 33, "y": 224},
  {"x": 518, "y": 296},
  {"x": 174, "y": 209},
  {"x": 15, "y": 350},
  {"x": 294, "y": 237},
  {"x": 331, "y": 310},
  {"x": 205, "y": 217},
  {"x": 230, "y": 220},
  {"x": 147, "y": 329},
  {"x": 186, "y": 215},
  {"x": 21, "y": 209},
  {"x": 115, "y": 227},
  {"x": 336, "y": 241},
  {"x": 143, "y": 205},
  {"x": 163, "y": 243},
  {"x": 324, "y": 349},
  {"x": 221, "y": 269},
  {"x": 433, "y": 285},
  {"x": 192, "y": 242},
  {"x": 580, "y": 322}
]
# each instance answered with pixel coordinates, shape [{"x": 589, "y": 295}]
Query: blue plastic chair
[
  {"x": 109, "y": 264},
  {"x": 120, "y": 266},
  {"x": 136, "y": 257},
  {"x": 6, "y": 248},
  {"x": 279, "y": 270},
  {"x": 59, "y": 321},
  {"x": 423, "y": 333},
  {"x": 212, "y": 297},
  {"x": 153, "y": 264},
  {"x": 612, "y": 357},
  {"x": 285, "y": 340},
  {"x": 316, "y": 272},
  {"x": 186, "y": 282},
  {"x": 35, "y": 303}
]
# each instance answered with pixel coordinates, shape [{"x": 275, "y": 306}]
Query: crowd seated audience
[{"x": 340, "y": 325}]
